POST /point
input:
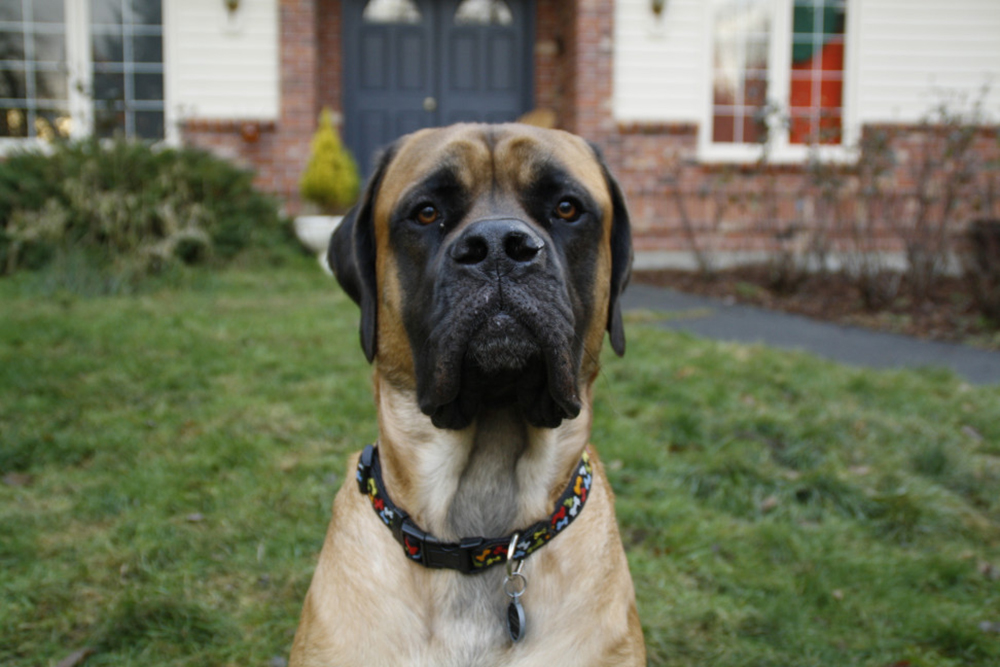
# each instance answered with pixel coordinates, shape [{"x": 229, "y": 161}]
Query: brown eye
[
  {"x": 567, "y": 210},
  {"x": 428, "y": 215}
]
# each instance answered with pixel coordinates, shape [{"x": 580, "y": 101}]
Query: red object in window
[{"x": 818, "y": 118}]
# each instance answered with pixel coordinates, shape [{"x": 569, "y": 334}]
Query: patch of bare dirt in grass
[{"x": 948, "y": 314}]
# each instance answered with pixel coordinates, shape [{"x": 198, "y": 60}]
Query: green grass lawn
[{"x": 170, "y": 459}]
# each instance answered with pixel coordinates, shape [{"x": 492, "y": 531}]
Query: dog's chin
[{"x": 504, "y": 364}]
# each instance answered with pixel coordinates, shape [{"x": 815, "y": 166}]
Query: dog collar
[{"x": 472, "y": 554}]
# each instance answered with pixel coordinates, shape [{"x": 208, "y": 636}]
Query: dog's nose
[{"x": 503, "y": 242}]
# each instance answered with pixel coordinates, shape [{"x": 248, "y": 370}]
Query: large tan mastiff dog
[{"x": 488, "y": 262}]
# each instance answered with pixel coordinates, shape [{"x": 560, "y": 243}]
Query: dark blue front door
[{"x": 410, "y": 64}]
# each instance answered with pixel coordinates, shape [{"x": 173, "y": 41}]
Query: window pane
[
  {"x": 834, "y": 18},
  {"x": 109, "y": 86},
  {"x": 148, "y": 87},
  {"x": 147, "y": 12},
  {"x": 723, "y": 128},
  {"x": 52, "y": 124},
  {"x": 830, "y": 127},
  {"x": 804, "y": 50},
  {"x": 14, "y": 123},
  {"x": 756, "y": 53},
  {"x": 108, "y": 49},
  {"x": 147, "y": 49},
  {"x": 149, "y": 124},
  {"x": 50, "y": 85},
  {"x": 754, "y": 128},
  {"x": 50, "y": 47},
  {"x": 11, "y": 45},
  {"x": 13, "y": 85},
  {"x": 47, "y": 11},
  {"x": 391, "y": 11},
  {"x": 10, "y": 11},
  {"x": 755, "y": 90},
  {"x": 483, "y": 12},
  {"x": 800, "y": 128},
  {"x": 106, "y": 12},
  {"x": 107, "y": 121}
]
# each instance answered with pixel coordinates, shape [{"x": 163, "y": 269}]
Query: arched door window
[
  {"x": 391, "y": 11},
  {"x": 483, "y": 12}
]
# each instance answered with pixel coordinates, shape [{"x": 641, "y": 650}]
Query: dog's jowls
[{"x": 488, "y": 262}]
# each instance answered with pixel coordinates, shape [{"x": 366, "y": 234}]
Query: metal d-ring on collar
[{"x": 472, "y": 554}]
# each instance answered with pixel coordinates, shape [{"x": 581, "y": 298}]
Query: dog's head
[{"x": 488, "y": 261}]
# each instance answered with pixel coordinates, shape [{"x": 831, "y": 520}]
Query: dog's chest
[{"x": 466, "y": 624}]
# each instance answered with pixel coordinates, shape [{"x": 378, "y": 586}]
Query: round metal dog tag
[{"x": 515, "y": 620}]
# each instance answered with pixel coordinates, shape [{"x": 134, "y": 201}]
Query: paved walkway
[{"x": 716, "y": 319}]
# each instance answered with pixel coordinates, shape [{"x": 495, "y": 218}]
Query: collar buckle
[{"x": 431, "y": 552}]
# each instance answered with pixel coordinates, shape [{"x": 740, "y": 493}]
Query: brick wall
[
  {"x": 329, "y": 74},
  {"x": 278, "y": 151},
  {"x": 750, "y": 208}
]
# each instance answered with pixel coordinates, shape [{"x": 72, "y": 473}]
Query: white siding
[
  {"x": 914, "y": 54},
  {"x": 910, "y": 55},
  {"x": 660, "y": 61},
  {"x": 222, "y": 68}
]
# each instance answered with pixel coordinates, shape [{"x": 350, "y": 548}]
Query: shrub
[
  {"x": 981, "y": 266},
  {"x": 131, "y": 208},
  {"x": 331, "y": 178}
]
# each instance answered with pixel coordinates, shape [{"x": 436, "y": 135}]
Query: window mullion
[
  {"x": 79, "y": 66},
  {"x": 779, "y": 73},
  {"x": 31, "y": 104}
]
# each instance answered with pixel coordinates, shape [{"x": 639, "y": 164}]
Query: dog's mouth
[{"x": 511, "y": 348}]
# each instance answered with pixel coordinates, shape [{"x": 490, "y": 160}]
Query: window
[
  {"x": 740, "y": 71},
  {"x": 778, "y": 78},
  {"x": 816, "y": 91},
  {"x": 33, "y": 90},
  {"x": 391, "y": 11},
  {"x": 127, "y": 60},
  {"x": 483, "y": 12},
  {"x": 63, "y": 75}
]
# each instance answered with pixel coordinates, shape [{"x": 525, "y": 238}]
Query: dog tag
[
  {"x": 514, "y": 585},
  {"x": 515, "y": 620}
]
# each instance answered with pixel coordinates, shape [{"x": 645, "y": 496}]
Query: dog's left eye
[
  {"x": 428, "y": 215},
  {"x": 568, "y": 210}
]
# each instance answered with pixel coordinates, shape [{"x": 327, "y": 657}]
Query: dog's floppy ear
[
  {"x": 621, "y": 257},
  {"x": 351, "y": 255}
]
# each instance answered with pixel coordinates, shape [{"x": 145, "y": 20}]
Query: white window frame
[
  {"x": 781, "y": 151},
  {"x": 79, "y": 70}
]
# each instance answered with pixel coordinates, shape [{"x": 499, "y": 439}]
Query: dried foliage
[{"x": 131, "y": 209}]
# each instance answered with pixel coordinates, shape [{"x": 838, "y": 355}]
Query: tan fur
[{"x": 369, "y": 605}]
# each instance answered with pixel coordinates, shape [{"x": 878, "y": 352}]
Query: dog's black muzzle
[{"x": 501, "y": 329}]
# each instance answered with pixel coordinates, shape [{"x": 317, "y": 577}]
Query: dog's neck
[{"x": 489, "y": 479}]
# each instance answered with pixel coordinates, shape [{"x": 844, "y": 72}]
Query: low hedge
[{"x": 131, "y": 208}]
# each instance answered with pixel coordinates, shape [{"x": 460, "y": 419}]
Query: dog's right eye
[{"x": 428, "y": 215}]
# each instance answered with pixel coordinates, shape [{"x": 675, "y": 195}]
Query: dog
[{"x": 488, "y": 261}]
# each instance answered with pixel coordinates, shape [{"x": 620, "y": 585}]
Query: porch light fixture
[{"x": 658, "y": 6}]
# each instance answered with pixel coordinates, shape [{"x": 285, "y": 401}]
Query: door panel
[
  {"x": 500, "y": 76},
  {"x": 388, "y": 73},
  {"x": 409, "y": 64},
  {"x": 487, "y": 76}
]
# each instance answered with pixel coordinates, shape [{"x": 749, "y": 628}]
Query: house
[{"x": 671, "y": 90}]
